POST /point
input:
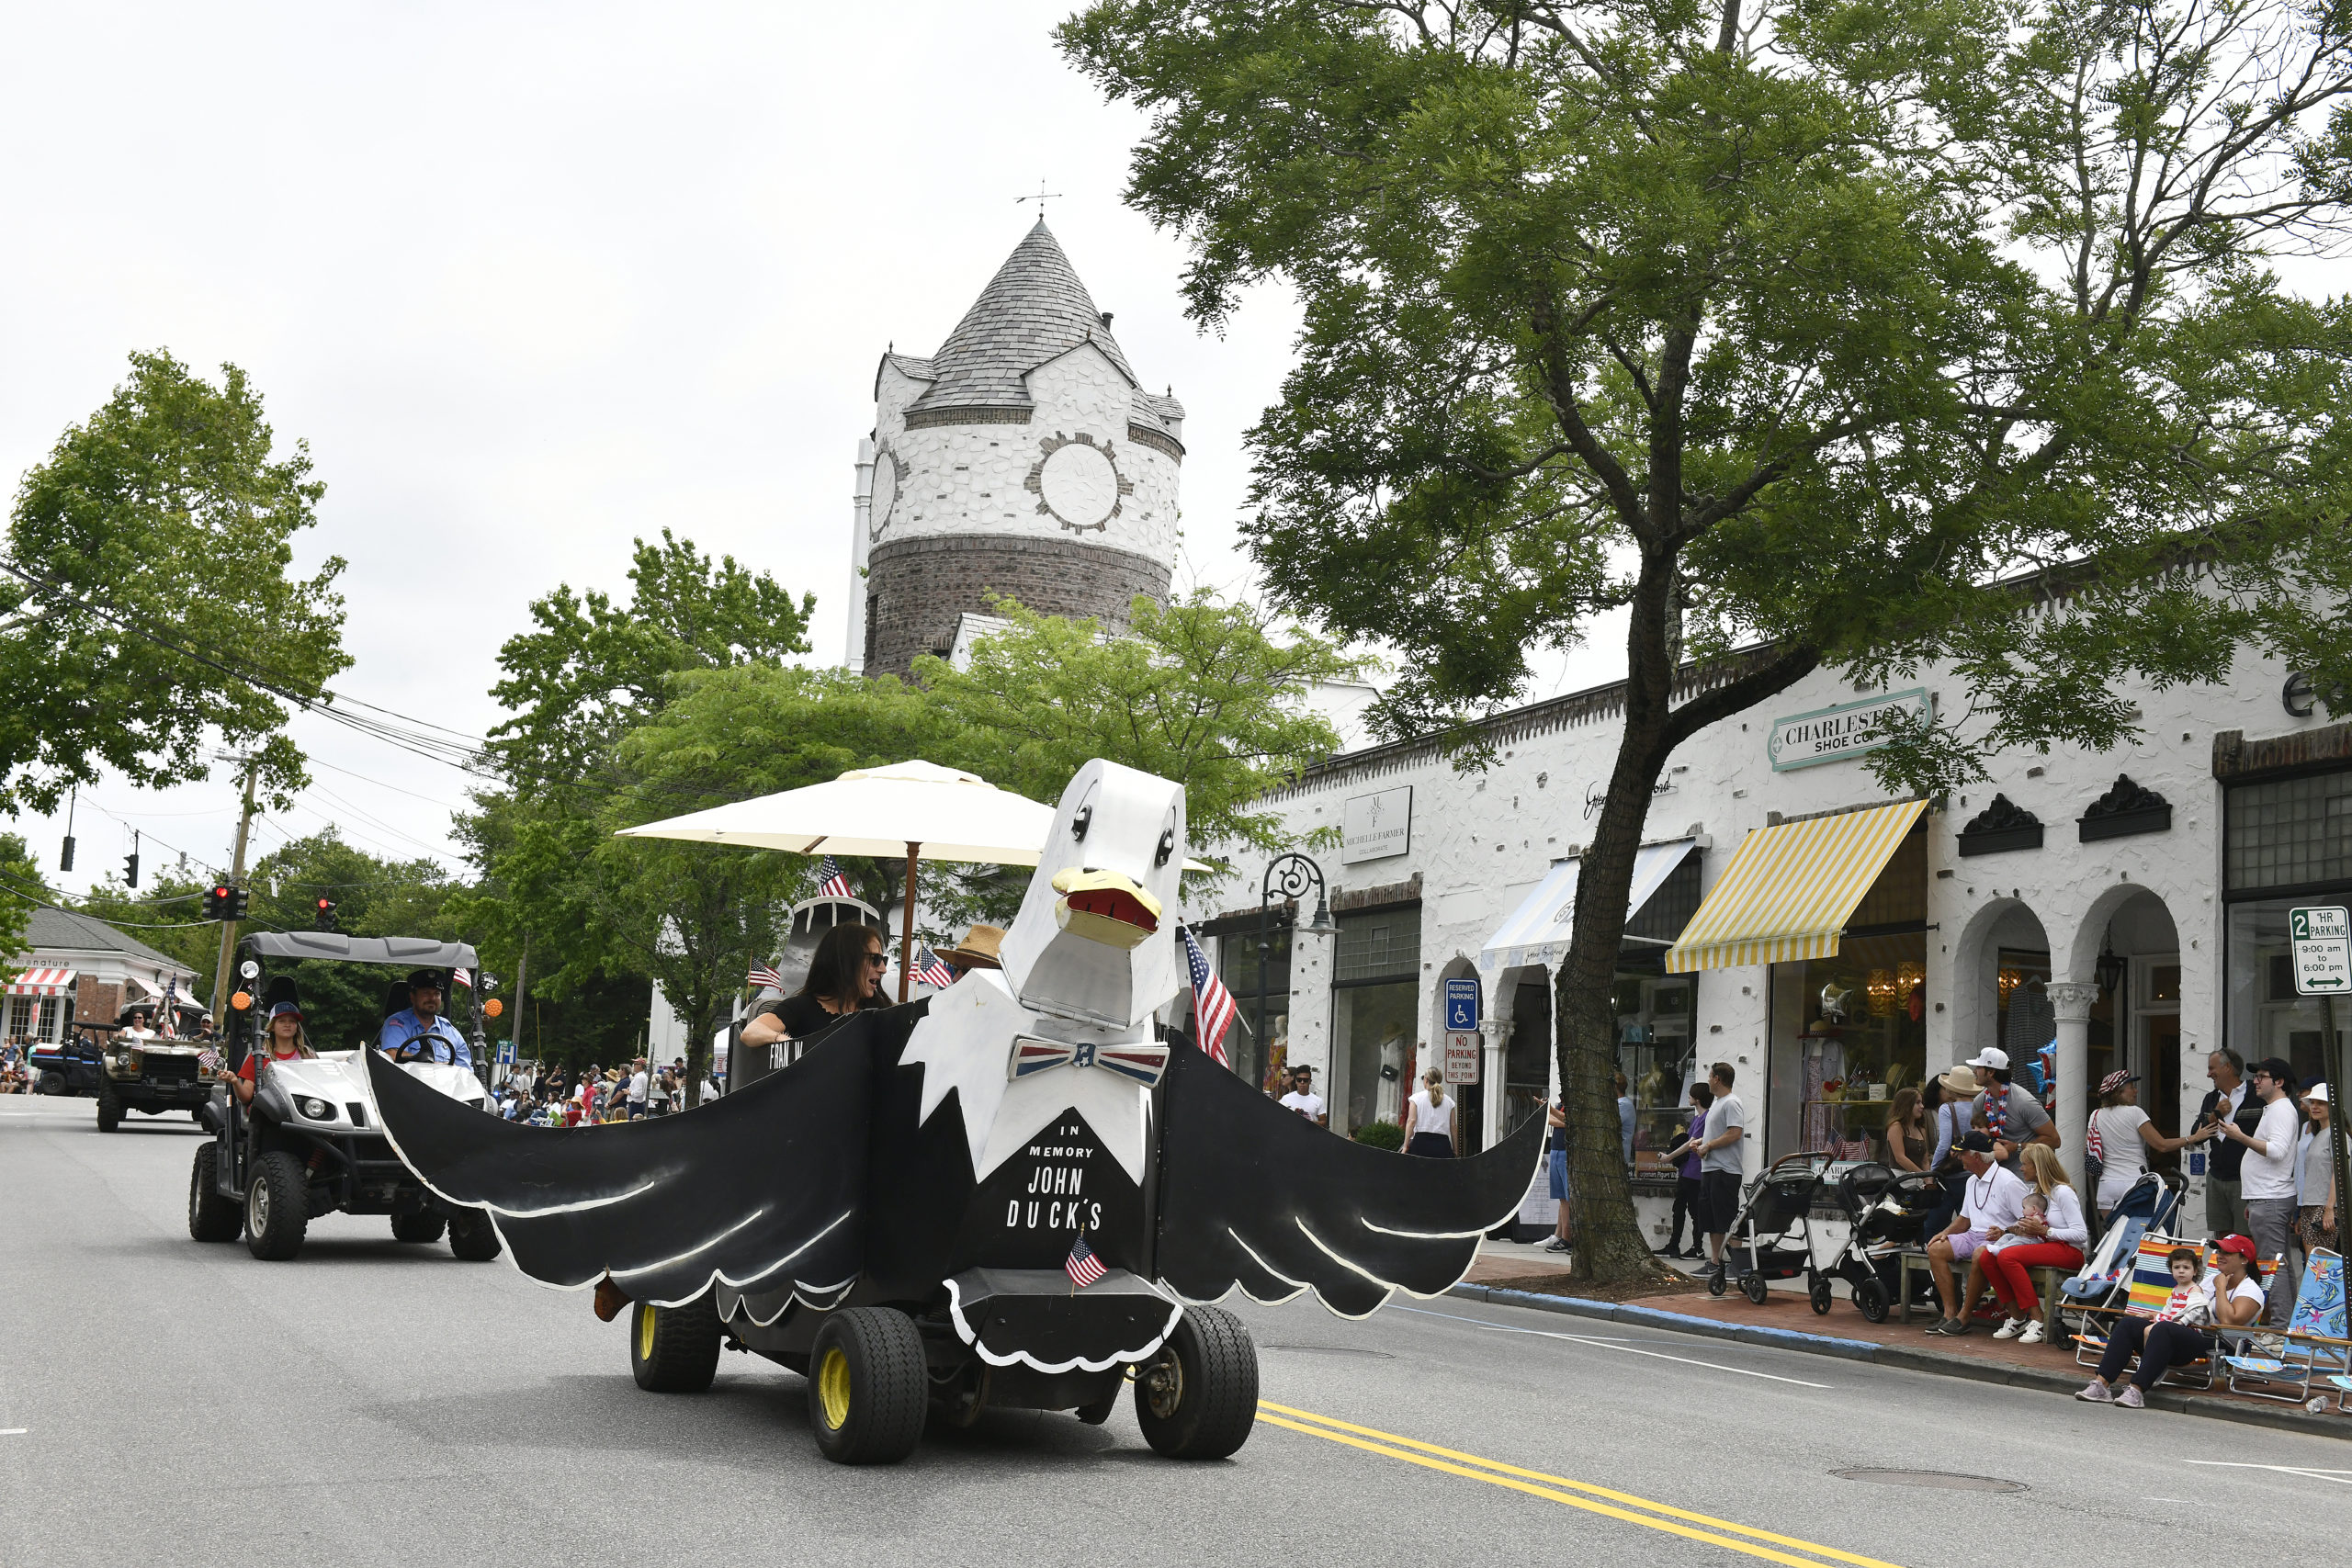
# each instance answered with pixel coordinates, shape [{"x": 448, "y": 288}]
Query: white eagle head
[{"x": 1095, "y": 939}]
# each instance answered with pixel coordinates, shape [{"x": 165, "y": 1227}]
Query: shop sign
[
  {"x": 1462, "y": 1004},
  {"x": 1461, "y": 1057},
  {"x": 1375, "y": 827},
  {"x": 2323, "y": 936},
  {"x": 1832, "y": 735}
]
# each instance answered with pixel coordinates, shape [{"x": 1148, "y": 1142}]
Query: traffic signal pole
[{"x": 236, "y": 879}]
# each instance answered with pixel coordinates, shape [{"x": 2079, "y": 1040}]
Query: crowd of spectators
[{"x": 559, "y": 1098}]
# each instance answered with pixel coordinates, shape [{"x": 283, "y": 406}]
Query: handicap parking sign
[{"x": 1462, "y": 1004}]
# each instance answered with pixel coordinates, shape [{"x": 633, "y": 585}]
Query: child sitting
[{"x": 2190, "y": 1304}]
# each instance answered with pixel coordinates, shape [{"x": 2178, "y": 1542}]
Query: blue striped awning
[{"x": 1538, "y": 931}]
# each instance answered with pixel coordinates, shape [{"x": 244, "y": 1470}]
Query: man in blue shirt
[{"x": 418, "y": 1033}]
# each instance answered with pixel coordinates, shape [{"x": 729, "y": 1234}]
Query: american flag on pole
[
  {"x": 461, "y": 977},
  {"x": 1083, "y": 1267},
  {"x": 763, "y": 976},
  {"x": 1213, "y": 1006},
  {"x": 833, "y": 883},
  {"x": 931, "y": 969}
]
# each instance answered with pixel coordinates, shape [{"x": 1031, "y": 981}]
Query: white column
[
  {"x": 860, "y": 518},
  {"x": 2073, "y": 1001},
  {"x": 1494, "y": 1039}
]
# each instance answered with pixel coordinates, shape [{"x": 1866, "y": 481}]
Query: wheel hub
[
  {"x": 644, "y": 1332},
  {"x": 258, "y": 1208},
  {"x": 833, "y": 1388},
  {"x": 1163, "y": 1386}
]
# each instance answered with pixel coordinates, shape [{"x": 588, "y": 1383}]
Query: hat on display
[
  {"x": 977, "y": 950},
  {"x": 2239, "y": 1245},
  {"x": 1976, "y": 1141},
  {"x": 2116, "y": 1080},
  {"x": 1960, "y": 1081},
  {"x": 1992, "y": 1057}
]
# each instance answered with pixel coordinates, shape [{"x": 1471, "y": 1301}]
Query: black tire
[
  {"x": 278, "y": 1207},
  {"x": 212, "y": 1217},
  {"x": 674, "y": 1349},
  {"x": 1198, "y": 1398},
  {"x": 472, "y": 1238},
  {"x": 1820, "y": 1298},
  {"x": 424, "y": 1226},
  {"x": 1715, "y": 1280},
  {"x": 1753, "y": 1286},
  {"x": 52, "y": 1082},
  {"x": 109, "y": 1107},
  {"x": 868, "y": 1390},
  {"x": 1870, "y": 1296}
]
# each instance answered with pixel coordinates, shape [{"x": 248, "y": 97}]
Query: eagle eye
[
  {"x": 1078, "y": 824},
  {"x": 1167, "y": 846}
]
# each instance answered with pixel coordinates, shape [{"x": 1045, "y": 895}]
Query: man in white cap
[{"x": 2012, "y": 1114}]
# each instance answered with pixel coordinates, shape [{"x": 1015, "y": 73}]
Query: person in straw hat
[{"x": 977, "y": 950}]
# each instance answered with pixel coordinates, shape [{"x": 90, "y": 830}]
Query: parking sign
[
  {"x": 2322, "y": 935},
  {"x": 1462, "y": 1004}
]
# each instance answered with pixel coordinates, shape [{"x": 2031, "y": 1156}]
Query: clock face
[
  {"x": 885, "y": 489},
  {"x": 1079, "y": 484}
]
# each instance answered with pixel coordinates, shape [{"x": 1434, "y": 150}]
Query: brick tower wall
[{"x": 916, "y": 588}]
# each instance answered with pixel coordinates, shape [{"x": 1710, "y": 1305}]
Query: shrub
[{"x": 1380, "y": 1135}]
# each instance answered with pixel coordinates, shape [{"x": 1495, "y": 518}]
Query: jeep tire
[
  {"x": 674, "y": 1349},
  {"x": 1198, "y": 1397},
  {"x": 109, "y": 1106},
  {"x": 212, "y": 1217},
  {"x": 472, "y": 1238},
  {"x": 424, "y": 1226},
  {"x": 278, "y": 1207},
  {"x": 868, "y": 1388}
]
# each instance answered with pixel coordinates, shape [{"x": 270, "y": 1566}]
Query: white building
[
  {"x": 84, "y": 965},
  {"x": 2141, "y": 896}
]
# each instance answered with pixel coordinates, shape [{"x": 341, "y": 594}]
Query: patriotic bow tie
[{"x": 1143, "y": 1060}]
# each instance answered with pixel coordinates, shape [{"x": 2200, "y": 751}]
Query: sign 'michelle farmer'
[{"x": 1010, "y": 1194}]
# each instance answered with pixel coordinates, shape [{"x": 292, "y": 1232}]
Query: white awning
[
  {"x": 41, "y": 983},
  {"x": 1538, "y": 931}
]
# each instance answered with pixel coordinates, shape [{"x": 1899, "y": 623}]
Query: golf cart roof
[{"x": 416, "y": 950}]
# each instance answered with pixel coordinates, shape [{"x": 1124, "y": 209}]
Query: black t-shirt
[{"x": 803, "y": 1016}]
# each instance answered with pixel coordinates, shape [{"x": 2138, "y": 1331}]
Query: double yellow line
[{"x": 1560, "y": 1489}]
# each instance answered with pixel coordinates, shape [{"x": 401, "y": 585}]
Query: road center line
[
  {"x": 1609, "y": 1344},
  {"x": 1560, "y": 1489}
]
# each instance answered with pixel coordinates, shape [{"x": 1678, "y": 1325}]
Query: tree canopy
[
  {"x": 1806, "y": 334},
  {"x": 148, "y": 609}
]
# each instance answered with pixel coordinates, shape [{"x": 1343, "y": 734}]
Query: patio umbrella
[{"x": 915, "y": 808}]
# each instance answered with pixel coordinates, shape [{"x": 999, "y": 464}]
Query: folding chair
[
  {"x": 2106, "y": 1273},
  {"x": 2151, "y": 1286},
  {"x": 2313, "y": 1346}
]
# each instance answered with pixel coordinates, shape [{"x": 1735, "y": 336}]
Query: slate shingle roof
[{"x": 66, "y": 929}]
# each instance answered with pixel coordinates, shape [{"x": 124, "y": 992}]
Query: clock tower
[{"x": 1023, "y": 459}]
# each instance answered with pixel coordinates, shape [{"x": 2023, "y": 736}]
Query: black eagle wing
[
  {"x": 762, "y": 1190},
  {"x": 1256, "y": 1196}
]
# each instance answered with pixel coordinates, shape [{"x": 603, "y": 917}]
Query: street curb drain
[{"x": 2285, "y": 1420}]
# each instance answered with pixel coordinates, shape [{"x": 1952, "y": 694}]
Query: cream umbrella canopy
[{"x": 915, "y": 808}]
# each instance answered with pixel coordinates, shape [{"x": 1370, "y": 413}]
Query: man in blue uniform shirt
[{"x": 418, "y": 1033}]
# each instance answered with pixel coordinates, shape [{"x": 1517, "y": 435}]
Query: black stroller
[
  {"x": 1772, "y": 1238},
  {"x": 1885, "y": 1210}
]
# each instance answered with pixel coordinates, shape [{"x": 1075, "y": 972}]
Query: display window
[
  {"x": 2267, "y": 1018},
  {"x": 1375, "y": 1016},
  {"x": 2286, "y": 842},
  {"x": 1259, "y": 1055}
]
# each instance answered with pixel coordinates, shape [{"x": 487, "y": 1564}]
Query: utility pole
[
  {"x": 522, "y": 974},
  {"x": 236, "y": 879}
]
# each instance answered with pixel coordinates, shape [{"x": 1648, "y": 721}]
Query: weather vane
[{"x": 1042, "y": 196}]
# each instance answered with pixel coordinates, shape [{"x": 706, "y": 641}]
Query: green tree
[
  {"x": 20, "y": 890},
  {"x": 1805, "y": 334},
  {"x": 147, "y": 610}
]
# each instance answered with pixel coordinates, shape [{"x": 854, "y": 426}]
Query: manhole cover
[
  {"x": 1334, "y": 1350},
  {"x": 1933, "y": 1480}
]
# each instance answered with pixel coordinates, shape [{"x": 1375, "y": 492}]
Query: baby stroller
[
  {"x": 2105, "y": 1279},
  {"x": 1885, "y": 1211},
  {"x": 1772, "y": 1238}
]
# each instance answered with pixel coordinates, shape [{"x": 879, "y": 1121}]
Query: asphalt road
[{"x": 162, "y": 1402}]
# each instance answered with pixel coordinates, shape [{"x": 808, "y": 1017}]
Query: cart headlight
[
  {"x": 315, "y": 1109},
  {"x": 127, "y": 1060}
]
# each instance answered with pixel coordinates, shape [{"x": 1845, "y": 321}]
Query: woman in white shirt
[
  {"x": 2122, "y": 1138},
  {"x": 2235, "y": 1293},
  {"x": 2315, "y": 1226},
  {"x": 1432, "y": 1119},
  {"x": 2055, "y": 1239}
]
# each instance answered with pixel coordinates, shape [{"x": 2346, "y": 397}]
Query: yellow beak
[{"x": 1104, "y": 907}]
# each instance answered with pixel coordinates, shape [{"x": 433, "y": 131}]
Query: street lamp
[{"x": 1290, "y": 875}]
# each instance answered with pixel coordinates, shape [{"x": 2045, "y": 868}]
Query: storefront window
[
  {"x": 1657, "y": 1014},
  {"x": 1376, "y": 1015},
  {"x": 2283, "y": 834},
  {"x": 1259, "y": 1055},
  {"x": 2265, "y": 1017}
]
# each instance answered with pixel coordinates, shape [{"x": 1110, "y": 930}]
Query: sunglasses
[{"x": 879, "y": 961}]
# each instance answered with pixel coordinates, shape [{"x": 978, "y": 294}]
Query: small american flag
[
  {"x": 832, "y": 884},
  {"x": 931, "y": 969},
  {"x": 763, "y": 976},
  {"x": 461, "y": 977},
  {"x": 1083, "y": 1267},
  {"x": 1213, "y": 1006}
]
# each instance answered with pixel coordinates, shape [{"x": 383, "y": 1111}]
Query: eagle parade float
[{"x": 1009, "y": 1194}]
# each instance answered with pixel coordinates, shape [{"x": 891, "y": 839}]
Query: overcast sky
[{"x": 532, "y": 280}]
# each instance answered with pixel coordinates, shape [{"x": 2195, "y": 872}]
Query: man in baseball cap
[
  {"x": 2013, "y": 1116},
  {"x": 1991, "y": 1201},
  {"x": 418, "y": 1033}
]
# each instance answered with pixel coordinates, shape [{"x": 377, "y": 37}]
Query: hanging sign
[
  {"x": 1375, "y": 827},
  {"x": 2323, "y": 939},
  {"x": 1461, "y": 1058},
  {"x": 1832, "y": 735}
]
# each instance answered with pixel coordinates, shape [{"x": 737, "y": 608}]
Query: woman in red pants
[{"x": 2054, "y": 1238}]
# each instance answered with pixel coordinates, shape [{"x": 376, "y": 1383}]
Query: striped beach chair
[
  {"x": 2314, "y": 1345},
  {"x": 2151, "y": 1286}
]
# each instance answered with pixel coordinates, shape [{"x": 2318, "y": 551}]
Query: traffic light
[
  {"x": 65, "y": 857},
  {"x": 324, "y": 918},
  {"x": 216, "y": 902},
  {"x": 238, "y": 899},
  {"x": 130, "y": 869}
]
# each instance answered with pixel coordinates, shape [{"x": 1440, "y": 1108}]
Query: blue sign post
[{"x": 1461, "y": 1005}]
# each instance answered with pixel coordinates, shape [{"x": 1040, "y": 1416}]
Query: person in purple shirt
[{"x": 1684, "y": 1158}]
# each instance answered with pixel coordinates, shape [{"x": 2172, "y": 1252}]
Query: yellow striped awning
[{"x": 1790, "y": 890}]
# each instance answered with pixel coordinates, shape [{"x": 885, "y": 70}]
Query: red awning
[{"x": 41, "y": 983}]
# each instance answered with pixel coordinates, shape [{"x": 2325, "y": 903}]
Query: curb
[{"x": 2286, "y": 1418}]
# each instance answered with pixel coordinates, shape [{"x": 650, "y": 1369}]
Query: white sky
[{"x": 532, "y": 280}]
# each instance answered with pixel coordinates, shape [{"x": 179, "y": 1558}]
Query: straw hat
[
  {"x": 977, "y": 950},
  {"x": 1960, "y": 1081}
]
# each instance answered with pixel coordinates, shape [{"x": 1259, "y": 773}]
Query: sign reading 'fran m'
[
  {"x": 1832, "y": 735},
  {"x": 1377, "y": 826}
]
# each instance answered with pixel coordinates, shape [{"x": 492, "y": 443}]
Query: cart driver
[{"x": 418, "y": 1033}]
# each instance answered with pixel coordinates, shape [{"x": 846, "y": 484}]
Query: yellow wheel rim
[
  {"x": 644, "y": 1333},
  {"x": 833, "y": 1388}
]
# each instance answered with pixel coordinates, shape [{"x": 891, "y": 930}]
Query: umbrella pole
[{"x": 907, "y": 929}]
